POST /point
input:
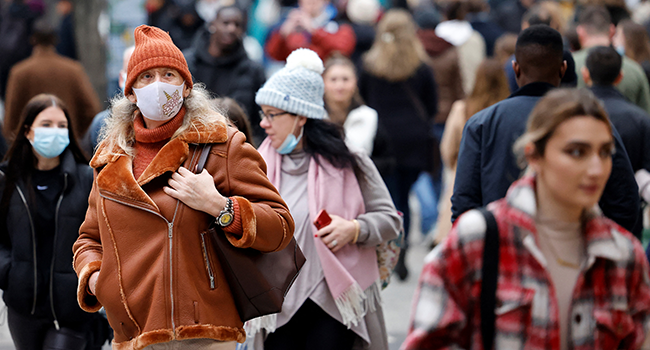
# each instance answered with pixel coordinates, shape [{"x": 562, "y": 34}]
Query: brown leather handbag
[{"x": 258, "y": 281}]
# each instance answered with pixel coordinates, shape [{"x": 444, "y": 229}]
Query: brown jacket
[
  {"x": 45, "y": 71},
  {"x": 154, "y": 266},
  {"x": 446, "y": 69}
]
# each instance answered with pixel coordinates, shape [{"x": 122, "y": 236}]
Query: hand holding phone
[{"x": 323, "y": 219}]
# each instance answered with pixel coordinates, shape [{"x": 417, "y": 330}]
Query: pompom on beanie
[
  {"x": 298, "y": 87},
  {"x": 154, "y": 48}
]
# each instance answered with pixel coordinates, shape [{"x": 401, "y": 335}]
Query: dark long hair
[
  {"x": 326, "y": 139},
  {"x": 21, "y": 158}
]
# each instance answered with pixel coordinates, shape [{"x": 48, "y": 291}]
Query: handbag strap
[
  {"x": 205, "y": 152},
  {"x": 490, "y": 275}
]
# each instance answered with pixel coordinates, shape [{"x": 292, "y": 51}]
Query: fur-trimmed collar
[{"x": 117, "y": 175}]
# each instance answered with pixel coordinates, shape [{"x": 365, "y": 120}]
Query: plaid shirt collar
[{"x": 600, "y": 241}]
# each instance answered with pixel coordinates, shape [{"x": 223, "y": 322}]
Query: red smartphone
[{"x": 323, "y": 219}]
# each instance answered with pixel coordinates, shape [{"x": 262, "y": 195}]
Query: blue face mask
[
  {"x": 50, "y": 142},
  {"x": 290, "y": 142},
  {"x": 620, "y": 50}
]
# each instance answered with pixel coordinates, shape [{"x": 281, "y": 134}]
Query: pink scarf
[{"x": 352, "y": 269}]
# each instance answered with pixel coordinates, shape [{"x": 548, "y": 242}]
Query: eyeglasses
[{"x": 270, "y": 116}]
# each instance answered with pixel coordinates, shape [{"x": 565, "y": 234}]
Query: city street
[{"x": 397, "y": 296}]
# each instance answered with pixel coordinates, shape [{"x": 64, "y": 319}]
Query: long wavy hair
[
  {"x": 490, "y": 87},
  {"x": 118, "y": 131},
  {"x": 397, "y": 52}
]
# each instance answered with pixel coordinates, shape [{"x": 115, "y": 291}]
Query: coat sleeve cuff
[
  {"x": 88, "y": 302},
  {"x": 248, "y": 223}
]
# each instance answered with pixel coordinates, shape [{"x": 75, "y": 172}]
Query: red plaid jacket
[{"x": 611, "y": 300}]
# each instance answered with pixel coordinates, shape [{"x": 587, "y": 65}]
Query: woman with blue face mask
[
  {"x": 334, "y": 302},
  {"x": 45, "y": 185}
]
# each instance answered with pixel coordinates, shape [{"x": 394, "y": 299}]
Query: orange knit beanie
[{"x": 154, "y": 48}]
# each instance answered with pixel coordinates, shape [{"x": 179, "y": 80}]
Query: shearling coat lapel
[{"x": 117, "y": 178}]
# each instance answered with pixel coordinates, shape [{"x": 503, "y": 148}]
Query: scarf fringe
[
  {"x": 373, "y": 297},
  {"x": 352, "y": 305},
  {"x": 267, "y": 323}
]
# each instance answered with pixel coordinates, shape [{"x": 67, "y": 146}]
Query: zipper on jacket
[
  {"x": 171, "y": 267},
  {"x": 31, "y": 222},
  {"x": 56, "y": 231},
  {"x": 170, "y": 235},
  {"x": 207, "y": 260}
]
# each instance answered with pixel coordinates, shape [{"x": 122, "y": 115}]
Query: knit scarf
[{"x": 352, "y": 269}]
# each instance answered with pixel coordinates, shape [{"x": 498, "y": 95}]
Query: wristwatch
[{"x": 227, "y": 215}]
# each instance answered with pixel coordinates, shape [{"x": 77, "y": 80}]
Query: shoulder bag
[
  {"x": 258, "y": 281},
  {"x": 490, "y": 276}
]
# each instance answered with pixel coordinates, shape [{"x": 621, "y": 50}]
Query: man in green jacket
[{"x": 595, "y": 28}]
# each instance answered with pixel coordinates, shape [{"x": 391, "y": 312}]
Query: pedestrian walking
[
  {"x": 399, "y": 85},
  {"x": 486, "y": 167},
  {"x": 490, "y": 87},
  {"x": 140, "y": 252},
  {"x": 595, "y": 28},
  {"x": 566, "y": 277},
  {"x": 218, "y": 59},
  {"x": 45, "y": 71},
  {"x": 631, "y": 40},
  {"x": 344, "y": 105},
  {"x": 334, "y": 302},
  {"x": 602, "y": 72},
  {"x": 45, "y": 184},
  {"x": 310, "y": 25}
]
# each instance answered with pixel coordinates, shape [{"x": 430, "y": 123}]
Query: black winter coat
[
  {"x": 408, "y": 125},
  {"x": 18, "y": 263},
  {"x": 631, "y": 122},
  {"x": 235, "y": 76}
]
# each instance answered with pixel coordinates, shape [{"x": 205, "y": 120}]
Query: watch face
[{"x": 225, "y": 219}]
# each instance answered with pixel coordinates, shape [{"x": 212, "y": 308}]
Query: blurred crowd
[{"x": 409, "y": 82}]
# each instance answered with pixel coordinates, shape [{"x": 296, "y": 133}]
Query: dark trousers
[
  {"x": 311, "y": 328},
  {"x": 399, "y": 184},
  {"x": 31, "y": 333}
]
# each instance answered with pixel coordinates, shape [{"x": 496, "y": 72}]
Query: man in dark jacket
[
  {"x": 602, "y": 71},
  {"x": 217, "y": 58},
  {"x": 486, "y": 163}
]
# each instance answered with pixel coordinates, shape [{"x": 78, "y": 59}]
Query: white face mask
[{"x": 160, "y": 101}]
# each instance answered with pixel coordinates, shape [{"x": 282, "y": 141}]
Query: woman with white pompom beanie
[{"x": 334, "y": 303}]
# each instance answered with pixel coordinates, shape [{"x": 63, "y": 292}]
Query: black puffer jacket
[
  {"x": 18, "y": 264},
  {"x": 235, "y": 76}
]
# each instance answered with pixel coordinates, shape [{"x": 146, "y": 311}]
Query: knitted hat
[
  {"x": 154, "y": 48},
  {"x": 298, "y": 87}
]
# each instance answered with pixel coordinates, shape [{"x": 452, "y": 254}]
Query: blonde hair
[
  {"x": 118, "y": 131},
  {"x": 397, "y": 52},
  {"x": 555, "y": 108}
]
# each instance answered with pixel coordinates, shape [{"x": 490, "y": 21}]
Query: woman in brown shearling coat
[{"x": 140, "y": 253}]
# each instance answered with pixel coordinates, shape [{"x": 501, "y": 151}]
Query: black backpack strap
[
  {"x": 490, "y": 275},
  {"x": 205, "y": 152}
]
